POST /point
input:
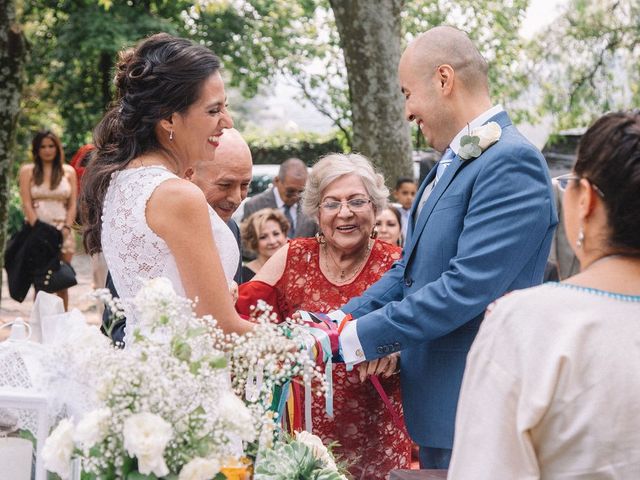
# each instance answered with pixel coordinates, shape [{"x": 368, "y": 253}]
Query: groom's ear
[{"x": 445, "y": 75}]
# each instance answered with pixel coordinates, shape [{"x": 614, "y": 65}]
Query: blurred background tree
[
  {"x": 586, "y": 62},
  {"x": 12, "y": 58}
]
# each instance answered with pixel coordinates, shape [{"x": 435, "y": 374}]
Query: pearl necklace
[{"x": 343, "y": 272}]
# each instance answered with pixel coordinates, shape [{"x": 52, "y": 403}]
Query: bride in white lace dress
[{"x": 147, "y": 220}]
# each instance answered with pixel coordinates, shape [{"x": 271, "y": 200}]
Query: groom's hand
[{"x": 385, "y": 367}]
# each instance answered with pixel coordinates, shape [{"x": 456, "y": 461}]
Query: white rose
[
  {"x": 237, "y": 416},
  {"x": 320, "y": 452},
  {"x": 489, "y": 134},
  {"x": 145, "y": 437},
  {"x": 200, "y": 469},
  {"x": 160, "y": 286},
  {"x": 92, "y": 428},
  {"x": 58, "y": 449}
]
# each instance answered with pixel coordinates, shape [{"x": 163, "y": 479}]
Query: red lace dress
[{"x": 361, "y": 424}]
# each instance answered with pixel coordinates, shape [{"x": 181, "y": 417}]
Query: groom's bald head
[
  {"x": 446, "y": 45},
  {"x": 444, "y": 81}
]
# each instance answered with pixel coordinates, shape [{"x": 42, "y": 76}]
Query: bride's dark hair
[{"x": 161, "y": 76}]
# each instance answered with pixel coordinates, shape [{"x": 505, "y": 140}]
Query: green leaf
[
  {"x": 469, "y": 140},
  {"x": 181, "y": 349},
  {"x": 139, "y": 476},
  {"x": 218, "y": 362}
]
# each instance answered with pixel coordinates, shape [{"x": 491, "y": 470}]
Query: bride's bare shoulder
[{"x": 176, "y": 201}]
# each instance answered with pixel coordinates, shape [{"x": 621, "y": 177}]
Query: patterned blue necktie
[{"x": 444, "y": 162}]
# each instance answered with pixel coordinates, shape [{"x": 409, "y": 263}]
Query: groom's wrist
[{"x": 350, "y": 346}]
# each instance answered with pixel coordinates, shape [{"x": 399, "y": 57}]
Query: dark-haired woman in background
[
  {"x": 552, "y": 381},
  {"x": 169, "y": 113},
  {"x": 48, "y": 189}
]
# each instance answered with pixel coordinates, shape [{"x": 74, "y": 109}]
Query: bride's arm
[
  {"x": 273, "y": 269},
  {"x": 177, "y": 211}
]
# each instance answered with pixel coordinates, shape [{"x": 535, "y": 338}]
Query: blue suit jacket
[{"x": 485, "y": 230}]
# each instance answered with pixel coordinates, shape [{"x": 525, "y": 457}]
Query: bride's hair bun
[{"x": 130, "y": 69}]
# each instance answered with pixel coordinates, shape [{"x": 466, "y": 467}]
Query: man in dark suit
[
  {"x": 285, "y": 196},
  {"x": 225, "y": 183}
]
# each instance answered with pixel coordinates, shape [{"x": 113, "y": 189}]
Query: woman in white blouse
[{"x": 552, "y": 384}]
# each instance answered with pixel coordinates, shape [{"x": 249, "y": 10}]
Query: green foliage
[
  {"x": 586, "y": 62},
  {"x": 16, "y": 215},
  {"x": 276, "y": 148},
  {"x": 74, "y": 45}
]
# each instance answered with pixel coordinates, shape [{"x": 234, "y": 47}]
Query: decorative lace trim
[{"x": 595, "y": 291}]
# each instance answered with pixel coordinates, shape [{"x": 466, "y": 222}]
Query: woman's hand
[{"x": 385, "y": 366}]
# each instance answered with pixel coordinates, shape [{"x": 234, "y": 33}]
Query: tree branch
[{"x": 322, "y": 109}]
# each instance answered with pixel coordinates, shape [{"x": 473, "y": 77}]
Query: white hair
[{"x": 336, "y": 165}]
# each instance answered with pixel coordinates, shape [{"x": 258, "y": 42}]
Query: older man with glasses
[{"x": 285, "y": 196}]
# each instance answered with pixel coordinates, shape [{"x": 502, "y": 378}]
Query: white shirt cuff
[{"x": 350, "y": 346}]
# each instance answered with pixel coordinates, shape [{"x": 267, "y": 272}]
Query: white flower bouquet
[{"x": 166, "y": 405}]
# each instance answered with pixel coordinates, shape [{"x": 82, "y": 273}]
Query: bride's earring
[
  {"x": 171, "y": 136},
  {"x": 374, "y": 233},
  {"x": 320, "y": 238},
  {"x": 580, "y": 240}
]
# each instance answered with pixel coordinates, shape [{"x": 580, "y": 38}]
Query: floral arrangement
[{"x": 168, "y": 405}]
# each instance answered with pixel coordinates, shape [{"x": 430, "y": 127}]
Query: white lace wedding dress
[{"x": 133, "y": 252}]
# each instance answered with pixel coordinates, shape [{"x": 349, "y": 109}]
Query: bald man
[
  {"x": 225, "y": 181},
  {"x": 481, "y": 225}
]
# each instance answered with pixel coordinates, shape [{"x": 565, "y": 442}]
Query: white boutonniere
[{"x": 477, "y": 141}]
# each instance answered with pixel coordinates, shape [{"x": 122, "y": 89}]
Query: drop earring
[
  {"x": 374, "y": 233},
  {"x": 171, "y": 136},
  {"x": 580, "y": 240}
]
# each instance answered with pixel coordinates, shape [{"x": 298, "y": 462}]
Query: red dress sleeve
[{"x": 250, "y": 292}]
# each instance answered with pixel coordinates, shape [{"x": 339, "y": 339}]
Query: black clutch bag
[{"x": 59, "y": 275}]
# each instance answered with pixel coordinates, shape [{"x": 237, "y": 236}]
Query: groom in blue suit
[{"x": 481, "y": 226}]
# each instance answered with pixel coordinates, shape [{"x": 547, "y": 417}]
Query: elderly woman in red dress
[{"x": 344, "y": 193}]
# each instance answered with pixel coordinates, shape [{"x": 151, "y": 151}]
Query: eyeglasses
[
  {"x": 563, "y": 182},
  {"x": 355, "y": 205}
]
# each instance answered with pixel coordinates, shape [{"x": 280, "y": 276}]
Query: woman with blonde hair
[{"x": 262, "y": 233}]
